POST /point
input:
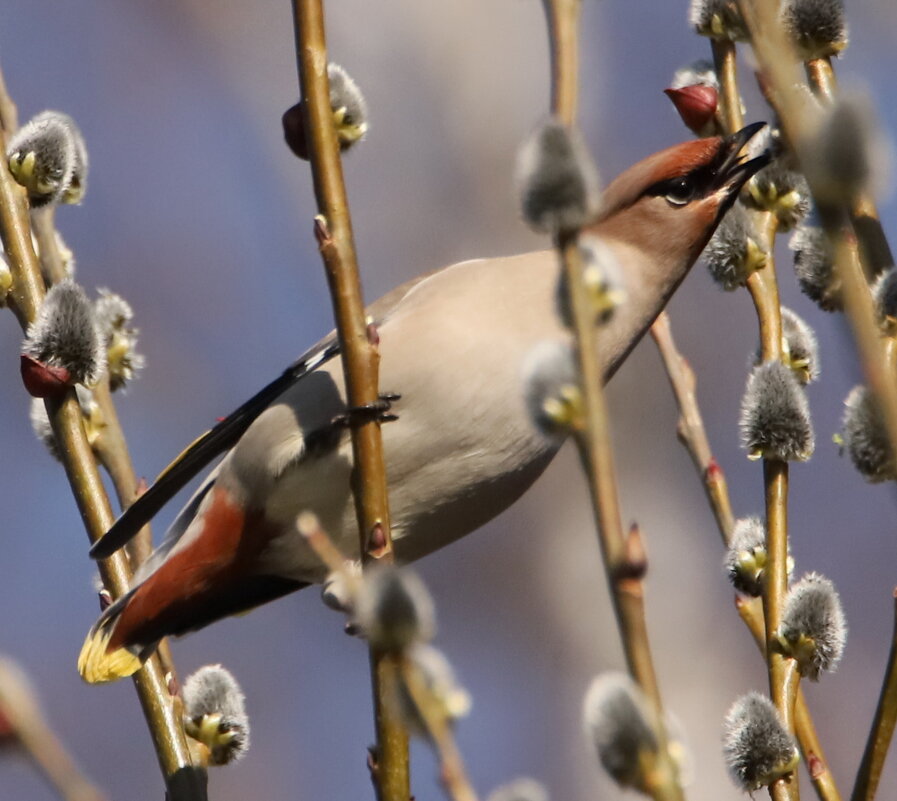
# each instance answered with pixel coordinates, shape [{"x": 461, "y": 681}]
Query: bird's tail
[{"x": 97, "y": 663}]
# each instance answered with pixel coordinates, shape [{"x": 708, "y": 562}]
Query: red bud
[
  {"x": 815, "y": 765},
  {"x": 696, "y": 105},
  {"x": 43, "y": 381},
  {"x": 294, "y": 131}
]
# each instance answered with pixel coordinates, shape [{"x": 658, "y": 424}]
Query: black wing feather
[{"x": 211, "y": 444}]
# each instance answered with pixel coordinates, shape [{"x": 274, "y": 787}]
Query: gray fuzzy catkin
[
  {"x": 865, "y": 438},
  {"x": 60, "y": 156},
  {"x": 782, "y": 190},
  {"x": 65, "y": 334},
  {"x": 719, "y": 19},
  {"x": 114, "y": 315},
  {"x": 885, "y": 293},
  {"x": 847, "y": 152},
  {"x": 616, "y": 722},
  {"x": 817, "y": 27},
  {"x": 602, "y": 279},
  {"x": 802, "y": 344},
  {"x": 803, "y": 347},
  {"x": 775, "y": 415},
  {"x": 813, "y": 610},
  {"x": 748, "y": 537},
  {"x": 698, "y": 73},
  {"x": 557, "y": 180},
  {"x": 394, "y": 609},
  {"x": 212, "y": 690},
  {"x": 756, "y": 745},
  {"x": 548, "y": 370},
  {"x": 522, "y": 789},
  {"x": 727, "y": 252},
  {"x": 344, "y": 93},
  {"x": 814, "y": 267},
  {"x": 435, "y": 674}
]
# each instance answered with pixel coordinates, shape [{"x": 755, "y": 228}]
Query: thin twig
[
  {"x": 864, "y": 216},
  {"x": 563, "y": 32},
  {"x": 43, "y": 223},
  {"x": 359, "y": 354},
  {"x": 780, "y": 67},
  {"x": 112, "y": 450},
  {"x": 693, "y": 436},
  {"x": 821, "y": 77},
  {"x": 726, "y": 68},
  {"x": 454, "y": 774},
  {"x": 21, "y": 713},
  {"x": 751, "y": 612},
  {"x": 764, "y": 291},
  {"x": 110, "y": 446},
  {"x": 27, "y": 292},
  {"x": 882, "y": 730},
  {"x": 9, "y": 114},
  {"x": 690, "y": 428},
  {"x": 594, "y": 438}
]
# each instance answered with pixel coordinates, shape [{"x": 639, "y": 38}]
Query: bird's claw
[{"x": 378, "y": 411}]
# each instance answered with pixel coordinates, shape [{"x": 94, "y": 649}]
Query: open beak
[{"x": 734, "y": 170}]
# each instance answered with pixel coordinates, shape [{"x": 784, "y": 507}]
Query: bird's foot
[{"x": 379, "y": 411}]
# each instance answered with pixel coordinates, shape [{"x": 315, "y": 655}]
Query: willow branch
[
  {"x": 111, "y": 449},
  {"x": 751, "y": 612},
  {"x": 882, "y": 730},
  {"x": 43, "y": 223},
  {"x": 726, "y": 68},
  {"x": 690, "y": 428},
  {"x": 594, "y": 439},
  {"x": 864, "y": 216},
  {"x": 454, "y": 774},
  {"x": 694, "y": 437},
  {"x": 360, "y": 355},
  {"x": 821, "y": 77},
  {"x": 783, "y": 677},
  {"x": 22, "y": 717},
  {"x": 780, "y": 67},
  {"x": 81, "y": 470},
  {"x": 563, "y": 35}
]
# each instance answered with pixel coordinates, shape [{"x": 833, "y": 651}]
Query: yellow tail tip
[{"x": 96, "y": 666}]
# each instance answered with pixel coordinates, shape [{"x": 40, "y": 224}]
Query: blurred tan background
[{"x": 197, "y": 213}]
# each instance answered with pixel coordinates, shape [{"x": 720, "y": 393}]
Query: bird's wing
[
  {"x": 204, "y": 449},
  {"x": 225, "y": 434}
]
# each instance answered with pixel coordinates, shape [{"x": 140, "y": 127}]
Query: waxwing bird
[{"x": 464, "y": 448}]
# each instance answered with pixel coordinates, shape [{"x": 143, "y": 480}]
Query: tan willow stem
[
  {"x": 183, "y": 783},
  {"x": 751, "y": 612},
  {"x": 764, "y": 291},
  {"x": 454, "y": 774},
  {"x": 882, "y": 730},
  {"x": 726, "y": 68},
  {"x": 780, "y": 67},
  {"x": 360, "y": 359},
  {"x": 22, "y": 719},
  {"x": 864, "y": 216},
  {"x": 690, "y": 428},
  {"x": 693, "y": 436},
  {"x": 594, "y": 439}
]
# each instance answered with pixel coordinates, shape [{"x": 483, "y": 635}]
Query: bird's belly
[{"x": 441, "y": 487}]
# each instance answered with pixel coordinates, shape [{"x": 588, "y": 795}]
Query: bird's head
[{"x": 671, "y": 202}]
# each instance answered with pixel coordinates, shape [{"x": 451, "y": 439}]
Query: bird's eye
[{"x": 680, "y": 191}]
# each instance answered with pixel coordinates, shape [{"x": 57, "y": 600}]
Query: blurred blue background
[{"x": 197, "y": 214}]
